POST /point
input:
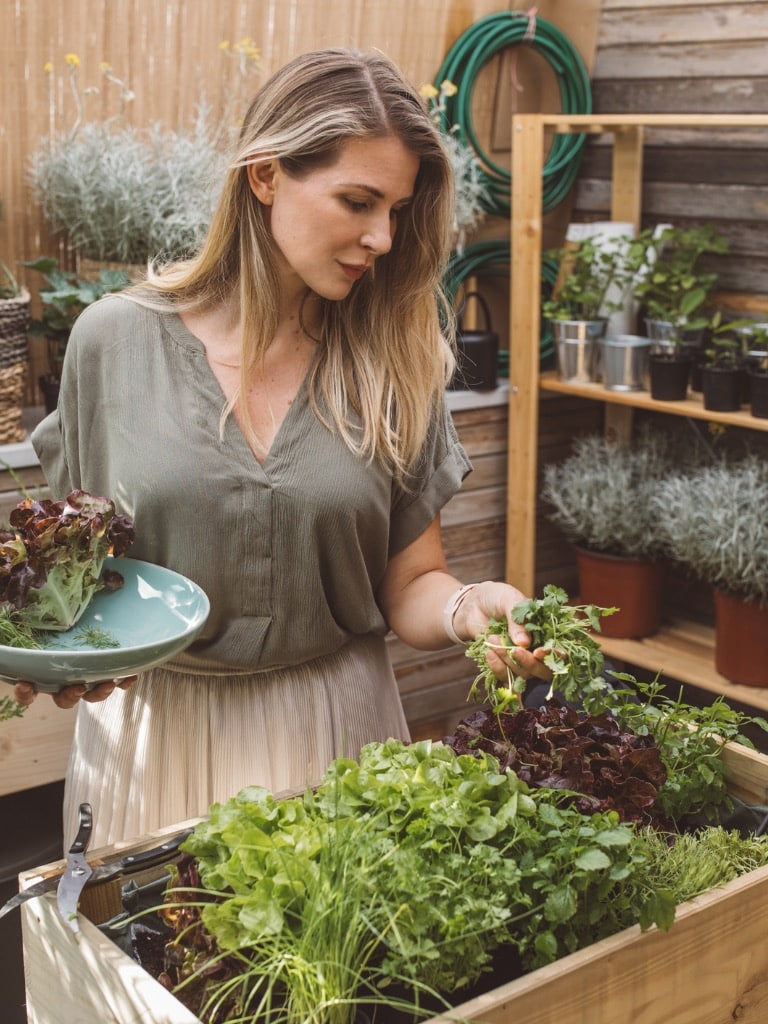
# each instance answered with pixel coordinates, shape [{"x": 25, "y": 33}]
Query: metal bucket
[
  {"x": 576, "y": 347},
  {"x": 624, "y": 362}
]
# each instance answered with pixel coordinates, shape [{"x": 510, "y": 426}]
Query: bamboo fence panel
[{"x": 169, "y": 55}]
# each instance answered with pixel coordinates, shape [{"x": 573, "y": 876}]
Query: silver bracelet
[{"x": 450, "y": 610}]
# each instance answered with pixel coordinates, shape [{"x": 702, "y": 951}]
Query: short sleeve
[{"x": 440, "y": 471}]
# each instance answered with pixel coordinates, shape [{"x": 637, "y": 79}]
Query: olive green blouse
[{"x": 290, "y": 553}]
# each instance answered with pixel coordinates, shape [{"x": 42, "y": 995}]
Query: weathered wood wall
[{"x": 705, "y": 57}]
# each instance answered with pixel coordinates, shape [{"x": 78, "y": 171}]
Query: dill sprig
[{"x": 14, "y": 632}]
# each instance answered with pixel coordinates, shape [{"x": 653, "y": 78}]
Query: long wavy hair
[{"x": 386, "y": 352}]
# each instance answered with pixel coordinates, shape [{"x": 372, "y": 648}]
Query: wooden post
[
  {"x": 626, "y": 196},
  {"x": 524, "y": 331}
]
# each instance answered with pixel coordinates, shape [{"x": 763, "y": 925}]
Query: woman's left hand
[
  {"x": 68, "y": 697},
  {"x": 492, "y": 600}
]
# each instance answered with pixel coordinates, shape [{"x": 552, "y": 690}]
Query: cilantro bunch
[
  {"x": 574, "y": 656},
  {"x": 52, "y": 556}
]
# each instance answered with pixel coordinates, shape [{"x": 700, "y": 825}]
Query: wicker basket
[{"x": 14, "y": 364}]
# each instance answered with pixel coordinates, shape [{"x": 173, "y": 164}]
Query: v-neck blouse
[{"x": 290, "y": 552}]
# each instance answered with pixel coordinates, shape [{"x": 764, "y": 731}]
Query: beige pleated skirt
[{"x": 164, "y": 750}]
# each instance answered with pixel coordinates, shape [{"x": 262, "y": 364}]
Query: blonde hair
[{"x": 385, "y": 356}]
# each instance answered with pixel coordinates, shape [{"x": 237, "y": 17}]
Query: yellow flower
[
  {"x": 72, "y": 60},
  {"x": 428, "y": 91},
  {"x": 48, "y": 67},
  {"x": 104, "y": 67},
  {"x": 224, "y": 44},
  {"x": 447, "y": 88}
]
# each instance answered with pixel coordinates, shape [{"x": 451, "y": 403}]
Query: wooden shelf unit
[{"x": 669, "y": 652}]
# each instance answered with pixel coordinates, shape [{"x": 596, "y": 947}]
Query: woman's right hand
[{"x": 68, "y": 697}]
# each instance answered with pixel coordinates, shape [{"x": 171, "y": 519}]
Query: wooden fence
[{"x": 170, "y": 55}]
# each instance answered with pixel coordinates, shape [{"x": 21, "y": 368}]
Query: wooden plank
[
  {"x": 632, "y": 5},
  {"x": 525, "y": 264},
  {"x": 34, "y": 749},
  {"x": 693, "y": 406},
  {"x": 747, "y": 773},
  {"x": 474, "y": 506},
  {"x": 465, "y": 539},
  {"x": 689, "y": 23},
  {"x": 684, "y": 651},
  {"x": 487, "y": 471},
  {"x": 732, "y": 92},
  {"x": 690, "y": 59},
  {"x": 707, "y": 969},
  {"x": 687, "y": 199},
  {"x": 627, "y": 177},
  {"x": 697, "y": 163}
]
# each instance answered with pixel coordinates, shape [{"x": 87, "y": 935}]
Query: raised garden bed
[{"x": 711, "y": 967}]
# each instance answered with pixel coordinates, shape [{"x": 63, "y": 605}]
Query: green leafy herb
[
  {"x": 566, "y": 632},
  {"x": 95, "y": 636},
  {"x": 14, "y": 631},
  {"x": 10, "y": 708},
  {"x": 690, "y": 740}
]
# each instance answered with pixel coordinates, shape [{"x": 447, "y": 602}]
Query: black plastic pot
[
  {"x": 721, "y": 388},
  {"x": 669, "y": 376},
  {"x": 758, "y": 394}
]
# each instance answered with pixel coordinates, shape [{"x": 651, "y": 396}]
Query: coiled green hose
[
  {"x": 492, "y": 258},
  {"x": 463, "y": 63}
]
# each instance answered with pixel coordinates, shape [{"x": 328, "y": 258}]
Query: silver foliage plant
[
  {"x": 127, "y": 195},
  {"x": 603, "y": 495},
  {"x": 714, "y": 520},
  {"x": 471, "y": 193}
]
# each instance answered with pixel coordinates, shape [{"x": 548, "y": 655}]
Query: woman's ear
[{"x": 261, "y": 178}]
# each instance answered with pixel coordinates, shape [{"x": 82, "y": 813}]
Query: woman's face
[{"x": 332, "y": 224}]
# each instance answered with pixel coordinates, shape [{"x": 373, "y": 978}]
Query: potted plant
[
  {"x": 14, "y": 360},
  {"x": 471, "y": 191},
  {"x": 754, "y": 350},
  {"x": 673, "y": 291},
  {"x": 722, "y": 369},
  {"x": 64, "y": 298},
  {"x": 579, "y": 305},
  {"x": 713, "y": 522},
  {"x": 601, "y": 497},
  {"x": 125, "y": 194}
]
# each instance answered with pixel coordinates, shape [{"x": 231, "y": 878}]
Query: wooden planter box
[{"x": 710, "y": 968}]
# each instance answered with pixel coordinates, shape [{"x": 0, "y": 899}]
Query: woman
[{"x": 271, "y": 414}]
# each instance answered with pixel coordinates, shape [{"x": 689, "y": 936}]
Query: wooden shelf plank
[
  {"x": 692, "y": 406},
  {"x": 684, "y": 651},
  {"x": 598, "y": 124}
]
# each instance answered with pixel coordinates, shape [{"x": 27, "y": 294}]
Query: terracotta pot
[
  {"x": 741, "y": 639},
  {"x": 632, "y": 585}
]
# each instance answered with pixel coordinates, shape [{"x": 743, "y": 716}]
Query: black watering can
[{"x": 478, "y": 352}]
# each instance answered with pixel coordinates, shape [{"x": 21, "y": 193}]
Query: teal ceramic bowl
[{"x": 156, "y": 614}]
